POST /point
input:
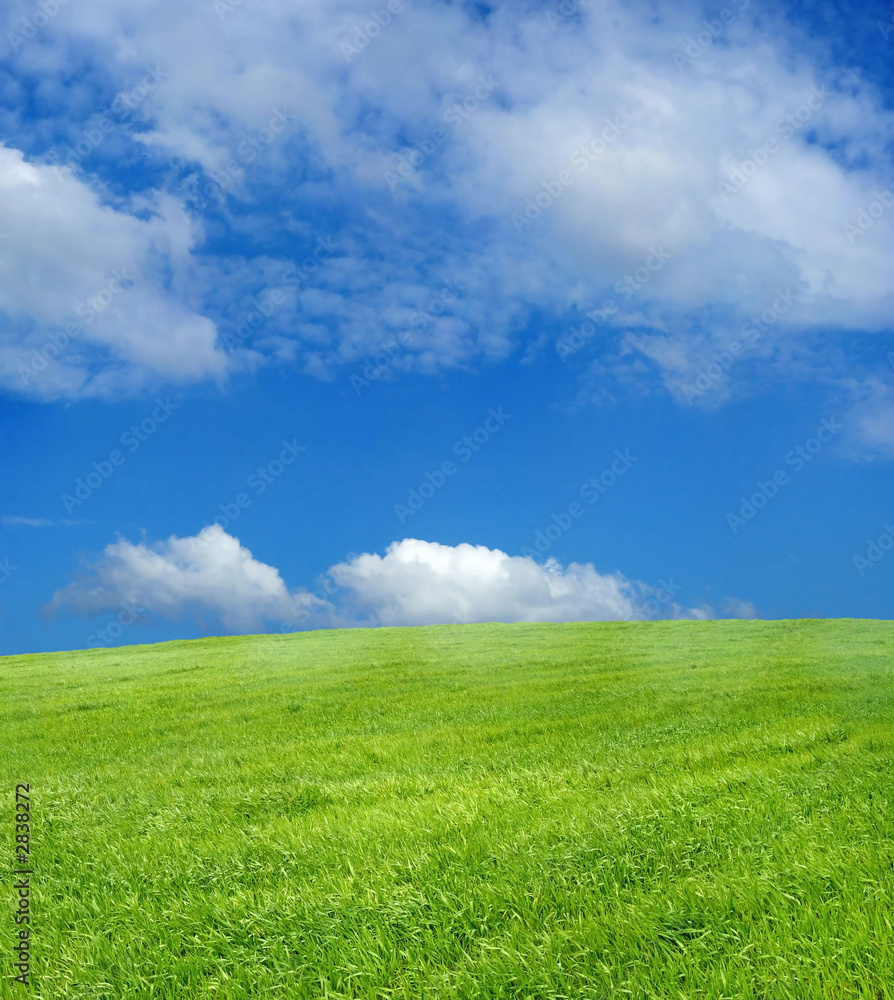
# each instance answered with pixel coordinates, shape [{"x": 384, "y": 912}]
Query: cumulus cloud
[
  {"x": 87, "y": 304},
  {"x": 423, "y": 583},
  {"x": 209, "y": 575},
  {"x": 416, "y": 582}
]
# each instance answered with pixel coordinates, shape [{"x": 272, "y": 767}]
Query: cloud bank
[
  {"x": 564, "y": 147},
  {"x": 211, "y": 577}
]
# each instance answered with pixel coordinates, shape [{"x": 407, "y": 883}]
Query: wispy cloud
[
  {"x": 759, "y": 103},
  {"x": 13, "y": 521}
]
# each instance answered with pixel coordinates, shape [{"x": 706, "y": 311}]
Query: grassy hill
[{"x": 642, "y": 810}]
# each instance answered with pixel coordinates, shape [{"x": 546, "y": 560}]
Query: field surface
[{"x": 594, "y": 811}]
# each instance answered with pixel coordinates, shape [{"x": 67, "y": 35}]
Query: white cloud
[
  {"x": 83, "y": 288},
  {"x": 424, "y": 583},
  {"x": 15, "y": 521},
  {"x": 206, "y": 575},
  {"x": 734, "y": 607},
  {"x": 687, "y": 127},
  {"x": 414, "y": 583}
]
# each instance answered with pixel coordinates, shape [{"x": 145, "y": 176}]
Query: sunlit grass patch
[{"x": 669, "y": 809}]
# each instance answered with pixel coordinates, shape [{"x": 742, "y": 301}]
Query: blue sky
[{"x": 322, "y": 315}]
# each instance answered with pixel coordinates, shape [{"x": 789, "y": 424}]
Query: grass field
[{"x": 633, "y": 810}]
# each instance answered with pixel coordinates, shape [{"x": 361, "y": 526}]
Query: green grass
[{"x": 634, "y": 810}]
